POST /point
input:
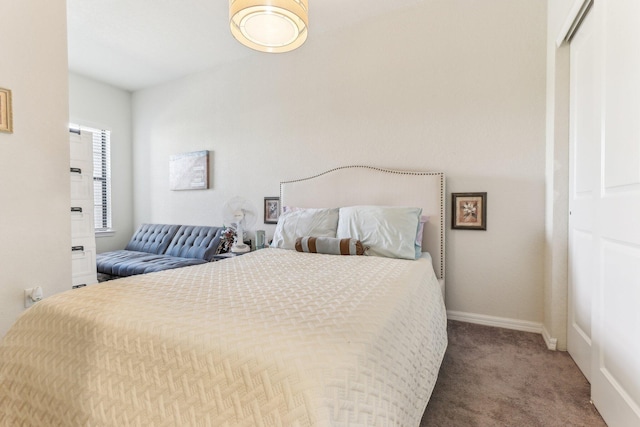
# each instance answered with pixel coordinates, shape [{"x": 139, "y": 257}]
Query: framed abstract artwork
[{"x": 189, "y": 171}]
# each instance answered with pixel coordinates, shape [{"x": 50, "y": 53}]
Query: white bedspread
[{"x": 271, "y": 338}]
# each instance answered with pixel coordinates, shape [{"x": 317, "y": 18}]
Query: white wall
[
  {"x": 34, "y": 160},
  {"x": 557, "y": 177},
  {"x": 453, "y": 85},
  {"x": 96, "y": 104}
]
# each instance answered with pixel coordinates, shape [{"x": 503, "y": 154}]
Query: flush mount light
[{"x": 269, "y": 25}]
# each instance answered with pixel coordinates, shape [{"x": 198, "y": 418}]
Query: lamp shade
[{"x": 269, "y": 25}]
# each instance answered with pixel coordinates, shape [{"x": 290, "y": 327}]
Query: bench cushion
[
  {"x": 151, "y": 263},
  {"x": 110, "y": 262}
]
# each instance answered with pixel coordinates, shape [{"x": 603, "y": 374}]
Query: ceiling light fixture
[{"x": 273, "y": 26}]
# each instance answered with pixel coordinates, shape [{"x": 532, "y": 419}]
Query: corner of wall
[
  {"x": 552, "y": 343},
  {"x": 557, "y": 177}
]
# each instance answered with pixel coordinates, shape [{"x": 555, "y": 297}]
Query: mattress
[{"x": 271, "y": 338}]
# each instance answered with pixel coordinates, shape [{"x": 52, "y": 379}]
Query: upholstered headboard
[{"x": 366, "y": 185}]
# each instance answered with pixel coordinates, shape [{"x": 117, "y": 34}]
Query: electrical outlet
[
  {"x": 32, "y": 295},
  {"x": 28, "y": 302}
]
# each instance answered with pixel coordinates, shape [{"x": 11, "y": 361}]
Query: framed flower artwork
[
  {"x": 271, "y": 210},
  {"x": 469, "y": 211}
]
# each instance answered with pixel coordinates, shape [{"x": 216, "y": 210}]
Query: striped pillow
[{"x": 329, "y": 245}]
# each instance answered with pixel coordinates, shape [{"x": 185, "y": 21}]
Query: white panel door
[
  {"x": 616, "y": 322},
  {"x": 584, "y": 185},
  {"x": 604, "y": 258}
]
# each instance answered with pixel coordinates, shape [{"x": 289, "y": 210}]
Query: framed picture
[
  {"x": 469, "y": 211},
  {"x": 271, "y": 210},
  {"x": 189, "y": 171},
  {"x": 6, "y": 117}
]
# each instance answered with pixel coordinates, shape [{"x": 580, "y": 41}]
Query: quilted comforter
[{"x": 271, "y": 338}]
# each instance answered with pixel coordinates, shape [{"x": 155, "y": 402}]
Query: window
[{"x": 101, "y": 176}]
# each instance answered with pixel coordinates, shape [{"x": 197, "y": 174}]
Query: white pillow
[
  {"x": 304, "y": 222},
  {"x": 388, "y": 231}
]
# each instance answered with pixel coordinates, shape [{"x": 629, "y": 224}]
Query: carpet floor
[{"x": 493, "y": 377}]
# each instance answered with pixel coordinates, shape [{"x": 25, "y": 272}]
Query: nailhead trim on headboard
[{"x": 442, "y": 199}]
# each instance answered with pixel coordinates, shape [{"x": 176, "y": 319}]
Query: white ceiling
[{"x": 135, "y": 44}]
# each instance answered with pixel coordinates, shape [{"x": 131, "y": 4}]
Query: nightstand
[{"x": 227, "y": 255}]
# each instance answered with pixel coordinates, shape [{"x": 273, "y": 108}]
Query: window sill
[{"x": 106, "y": 233}]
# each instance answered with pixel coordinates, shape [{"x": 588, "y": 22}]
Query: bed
[{"x": 275, "y": 337}]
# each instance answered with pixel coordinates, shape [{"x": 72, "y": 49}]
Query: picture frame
[
  {"x": 6, "y": 115},
  {"x": 271, "y": 210},
  {"x": 469, "y": 211},
  {"x": 189, "y": 171}
]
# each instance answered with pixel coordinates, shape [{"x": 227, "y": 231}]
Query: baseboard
[
  {"x": 552, "y": 343},
  {"x": 498, "y": 322}
]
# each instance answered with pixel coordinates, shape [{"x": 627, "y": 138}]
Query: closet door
[
  {"x": 616, "y": 357},
  {"x": 604, "y": 254}
]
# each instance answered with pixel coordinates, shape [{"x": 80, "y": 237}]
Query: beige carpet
[{"x": 493, "y": 377}]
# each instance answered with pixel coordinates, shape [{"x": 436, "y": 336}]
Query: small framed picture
[
  {"x": 469, "y": 211},
  {"x": 271, "y": 210},
  {"x": 6, "y": 117}
]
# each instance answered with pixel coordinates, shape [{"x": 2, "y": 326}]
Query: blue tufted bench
[{"x": 157, "y": 247}]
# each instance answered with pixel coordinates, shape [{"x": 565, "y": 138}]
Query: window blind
[{"x": 102, "y": 179}]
